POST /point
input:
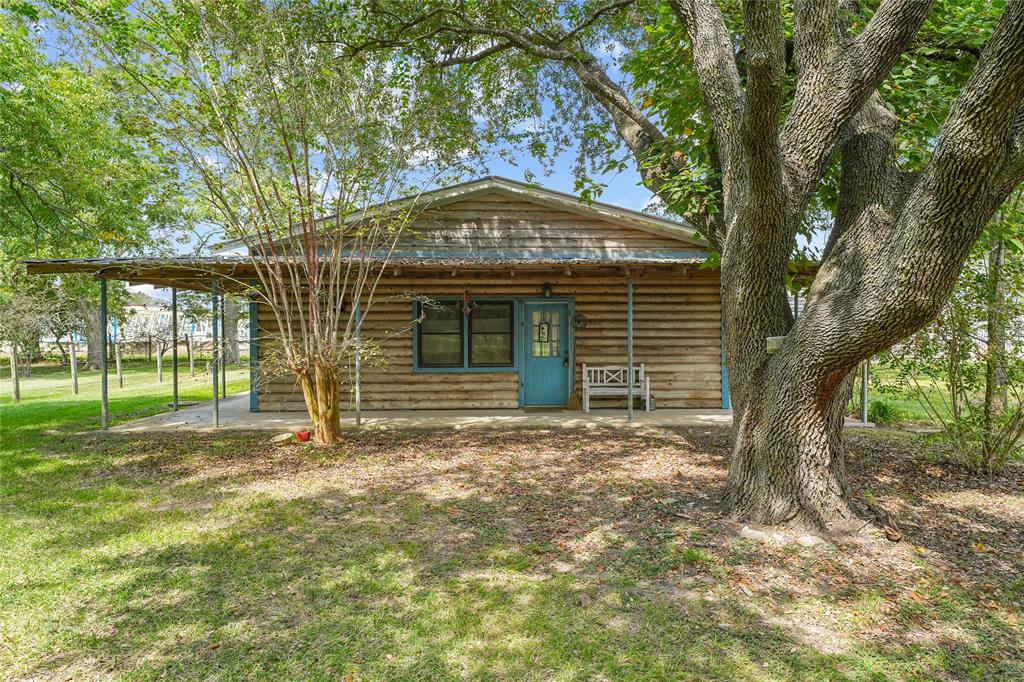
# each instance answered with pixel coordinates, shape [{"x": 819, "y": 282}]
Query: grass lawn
[{"x": 523, "y": 555}]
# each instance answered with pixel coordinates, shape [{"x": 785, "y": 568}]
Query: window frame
[
  {"x": 419, "y": 341},
  {"x": 511, "y": 336},
  {"x": 464, "y": 334}
]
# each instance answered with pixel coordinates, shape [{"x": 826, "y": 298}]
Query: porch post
[
  {"x": 629, "y": 344},
  {"x": 254, "y": 351},
  {"x": 104, "y": 414},
  {"x": 174, "y": 348},
  {"x": 223, "y": 352},
  {"x": 359, "y": 367},
  {"x": 214, "y": 351}
]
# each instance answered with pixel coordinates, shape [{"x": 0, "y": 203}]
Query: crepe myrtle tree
[
  {"x": 756, "y": 120},
  {"x": 297, "y": 153}
]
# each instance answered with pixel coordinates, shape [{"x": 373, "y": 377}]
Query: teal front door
[{"x": 546, "y": 366}]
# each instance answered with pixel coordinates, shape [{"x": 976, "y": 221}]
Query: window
[
  {"x": 441, "y": 337},
  {"x": 545, "y": 328},
  {"x": 490, "y": 335},
  {"x": 448, "y": 338}
]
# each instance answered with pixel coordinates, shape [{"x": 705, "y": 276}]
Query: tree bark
[
  {"x": 995, "y": 356},
  {"x": 231, "y": 354},
  {"x": 15, "y": 379},
  {"x": 93, "y": 333},
  {"x": 323, "y": 403},
  {"x": 159, "y": 367},
  {"x": 74, "y": 366}
]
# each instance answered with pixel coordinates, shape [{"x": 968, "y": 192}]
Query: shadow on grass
[{"x": 533, "y": 555}]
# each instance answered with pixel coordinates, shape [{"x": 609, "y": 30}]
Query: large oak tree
[{"x": 797, "y": 101}]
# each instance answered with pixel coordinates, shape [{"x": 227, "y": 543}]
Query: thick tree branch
[
  {"x": 836, "y": 77},
  {"x": 766, "y": 66},
  {"x": 715, "y": 62}
]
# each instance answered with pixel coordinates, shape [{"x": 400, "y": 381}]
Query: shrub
[{"x": 885, "y": 413}]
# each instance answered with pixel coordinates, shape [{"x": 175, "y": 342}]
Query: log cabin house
[{"x": 529, "y": 285}]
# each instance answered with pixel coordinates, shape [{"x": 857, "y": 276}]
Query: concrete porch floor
[{"x": 235, "y": 416}]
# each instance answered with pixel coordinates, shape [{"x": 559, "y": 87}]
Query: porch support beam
[
  {"x": 214, "y": 351},
  {"x": 104, "y": 407},
  {"x": 629, "y": 345},
  {"x": 254, "y": 354},
  {"x": 223, "y": 351},
  {"x": 359, "y": 365},
  {"x": 174, "y": 349}
]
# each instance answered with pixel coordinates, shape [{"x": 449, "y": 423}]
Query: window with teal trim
[
  {"x": 440, "y": 337},
  {"x": 449, "y": 338}
]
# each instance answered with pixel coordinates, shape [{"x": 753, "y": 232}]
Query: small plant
[{"x": 885, "y": 413}]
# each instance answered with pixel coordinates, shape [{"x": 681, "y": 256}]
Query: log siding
[{"x": 677, "y": 335}]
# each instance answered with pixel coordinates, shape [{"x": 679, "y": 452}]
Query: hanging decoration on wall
[
  {"x": 467, "y": 304},
  {"x": 579, "y": 321}
]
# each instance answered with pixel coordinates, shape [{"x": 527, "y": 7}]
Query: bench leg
[{"x": 586, "y": 400}]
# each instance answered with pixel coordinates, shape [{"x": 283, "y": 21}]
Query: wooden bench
[{"x": 611, "y": 380}]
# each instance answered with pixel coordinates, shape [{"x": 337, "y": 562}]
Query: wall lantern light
[{"x": 547, "y": 291}]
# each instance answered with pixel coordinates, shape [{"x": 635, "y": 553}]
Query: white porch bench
[{"x": 611, "y": 380}]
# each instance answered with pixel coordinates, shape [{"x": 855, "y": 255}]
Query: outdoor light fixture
[{"x": 547, "y": 291}]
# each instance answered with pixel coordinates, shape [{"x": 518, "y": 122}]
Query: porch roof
[{"x": 232, "y": 272}]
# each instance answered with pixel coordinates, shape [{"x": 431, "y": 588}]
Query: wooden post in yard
[
  {"x": 214, "y": 350},
  {"x": 74, "y": 365},
  {"x": 104, "y": 415},
  {"x": 174, "y": 349},
  {"x": 629, "y": 344}
]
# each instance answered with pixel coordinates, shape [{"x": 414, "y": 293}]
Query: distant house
[{"x": 532, "y": 284}]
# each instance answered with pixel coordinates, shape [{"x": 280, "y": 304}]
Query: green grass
[
  {"x": 427, "y": 556},
  {"x": 48, "y": 403}
]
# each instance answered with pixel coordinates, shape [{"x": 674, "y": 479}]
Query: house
[{"x": 526, "y": 286}]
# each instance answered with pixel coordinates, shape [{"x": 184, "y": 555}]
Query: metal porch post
[
  {"x": 214, "y": 350},
  {"x": 174, "y": 348},
  {"x": 223, "y": 352},
  {"x": 359, "y": 366},
  {"x": 254, "y": 354},
  {"x": 629, "y": 344},
  {"x": 104, "y": 407}
]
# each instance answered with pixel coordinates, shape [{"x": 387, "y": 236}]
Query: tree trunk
[
  {"x": 787, "y": 463},
  {"x": 74, "y": 366},
  {"x": 995, "y": 356},
  {"x": 231, "y": 354},
  {"x": 117, "y": 362},
  {"x": 93, "y": 333},
  {"x": 15, "y": 379},
  {"x": 320, "y": 391},
  {"x": 159, "y": 366},
  {"x": 191, "y": 356}
]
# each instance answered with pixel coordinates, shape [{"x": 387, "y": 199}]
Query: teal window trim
[
  {"x": 518, "y": 344},
  {"x": 465, "y": 333}
]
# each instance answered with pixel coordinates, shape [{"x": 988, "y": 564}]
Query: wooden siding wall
[
  {"x": 677, "y": 322},
  {"x": 494, "y": 223}
]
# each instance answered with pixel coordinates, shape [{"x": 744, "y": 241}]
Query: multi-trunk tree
[{"x": 804, "y": 122}]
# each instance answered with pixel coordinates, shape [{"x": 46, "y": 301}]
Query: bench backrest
[{"x": 612, "y": 375}]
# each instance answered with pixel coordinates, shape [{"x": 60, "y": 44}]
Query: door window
[{"x": 545, "y": 326}]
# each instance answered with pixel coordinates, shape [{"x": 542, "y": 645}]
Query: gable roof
[{"x": 536, "y": 194}]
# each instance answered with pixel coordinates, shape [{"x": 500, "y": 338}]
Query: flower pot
[{"x": 303, "y": 436}]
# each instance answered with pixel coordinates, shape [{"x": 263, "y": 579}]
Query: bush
[{"x": 885, "y": 413}]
